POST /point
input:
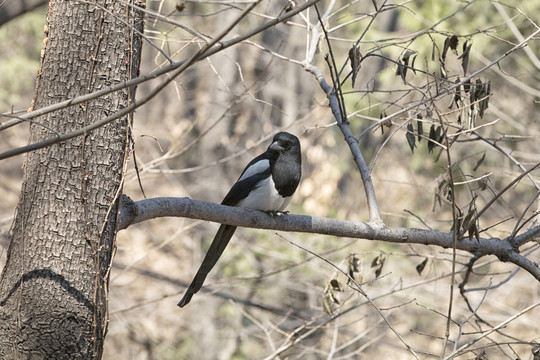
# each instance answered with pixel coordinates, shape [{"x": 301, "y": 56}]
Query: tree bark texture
[{"x": 53, "y": 289}]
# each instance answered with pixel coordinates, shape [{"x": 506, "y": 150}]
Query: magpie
[{"x": 267, "y": 184}]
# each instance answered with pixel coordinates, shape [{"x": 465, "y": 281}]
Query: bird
[{"x": 267, "y": 184}]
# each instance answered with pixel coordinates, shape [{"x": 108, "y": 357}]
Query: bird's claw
[{"x": 277, "y": 213}]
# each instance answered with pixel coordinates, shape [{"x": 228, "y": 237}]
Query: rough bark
[{"x": 53, "y": 290}]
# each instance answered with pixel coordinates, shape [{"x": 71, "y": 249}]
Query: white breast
[{"x": 265, "y": 198}]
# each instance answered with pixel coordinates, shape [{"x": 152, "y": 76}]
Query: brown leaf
[
  {"x": 180, "y": 6},
  {"x": 439, "y": 135},
  {"x": 407, "y": 56},
  {"x": 453, "y": 43},
  {"x": 405, "y": 59},
  {"x": 420, "y": 267},
  {"x": 412, "y": 64},
  {"x": 467, "y": 85},
  {"x": 378, "y": 264},
  {"x": 336, "y": 285},
  {"x": 352, "y": 266},
  {"x": 411, "y": 139},
  {"x": 467, "y": 219},
  {"x": 457, "y": 94},
  {"x": 465, "y": 56},
  {"x": 446, "y": 46},
  {"x": 432, "y": 136},
  {"x": 329, "y": 302},
  {"x": 482, "y": 184},
  {"x": 356, "y": 58},
  {"x": 401, "y": 70},
  {"x": 479, "y": 162},
  {"x": 420, "y": 126},
  {"x": 443, "y": 69}
]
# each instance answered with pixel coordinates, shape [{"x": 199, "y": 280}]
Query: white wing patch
[
  {"x": 259, "y": 167},
  {"x": 265, "y": 197}
]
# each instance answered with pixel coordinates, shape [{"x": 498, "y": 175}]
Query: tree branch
[
  {"x": 209, "y": 51},
  {"x": 352, "y": 142},
  {"x": 135, "y": 212},
  {"x": 340, "y": 116}
]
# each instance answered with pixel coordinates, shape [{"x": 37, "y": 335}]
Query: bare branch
[
  {"x": 134, "y": 212},
  {"x": 202, "y": 54},
  {"x": 500, "y": 326}
]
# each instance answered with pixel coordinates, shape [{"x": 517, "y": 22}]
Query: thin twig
[{"x": 462, "y": 348}]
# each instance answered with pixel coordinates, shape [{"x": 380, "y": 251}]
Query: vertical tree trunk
[{"x": 53, "y": 290}]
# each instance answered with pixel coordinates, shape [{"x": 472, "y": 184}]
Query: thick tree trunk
[{"x": 53, "y": 290}]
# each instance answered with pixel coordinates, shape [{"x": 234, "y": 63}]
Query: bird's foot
[{"x": 277, "y": 213}]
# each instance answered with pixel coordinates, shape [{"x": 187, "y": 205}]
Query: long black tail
[{"x": 219, "y": 244}]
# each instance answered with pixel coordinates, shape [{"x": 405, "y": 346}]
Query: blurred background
[{"x": 274, "y": 294}]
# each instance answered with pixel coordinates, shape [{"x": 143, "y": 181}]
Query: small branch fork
[
  {"x": 337, "y": 105},
  {"x": 212, "y": 47},
  {"x": 134, "y": 212}
]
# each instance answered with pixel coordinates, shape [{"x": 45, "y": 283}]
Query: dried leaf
[
  {"x": 420, "y": 126},
  {"x": 479, "y": 162},
  {"x": 412, "y": 64},
  {"x": 330, "y": 302},
  {"x": 401, "y": 70},
  {"x": 336, "y": 285},
  {"x": 472, "y": 96},
  {"x": 467, "y": 85},
  {"x": 457, "y": 95},
  {"x": 536, "y": 352},
  {"x": 378, "y": 264},
  {"x": 420, "y": 267},
  {"x": 438, "y": 135},
  {"x": 465, "y": 57},
  {"x": 405, "y": 59},
  {"x": 482, "y": 184},
  {"x": 411, "y": 139},
  {"x": 432, "y": 136},
  {"x": 352, "y": 266},
  {"x": 472, "y": 230},
  {"x": 449, "y": 195},
  {"x": 406, "y": 56},
  {"x": 479, "y": 89},
  {"x": 482, "y": 106},
  {"x": 487, "y": 95},
  {"x": 482, "y": 95},
  {"x": 443, "y": 69},
  {"x": 290, "y": 6},
  {"x": 355, "y": 57},
  {"x": 454, "y": 42},
  {"x": 467, "y": 219},
  {"x": 326, "y": 305},
  {"x": 446, "y": 46},
  {"x": 180, "y": 6},
  {"x": 377, "y": 261}
]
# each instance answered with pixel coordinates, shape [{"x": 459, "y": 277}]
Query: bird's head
[{"x": 283, "y": 141}]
